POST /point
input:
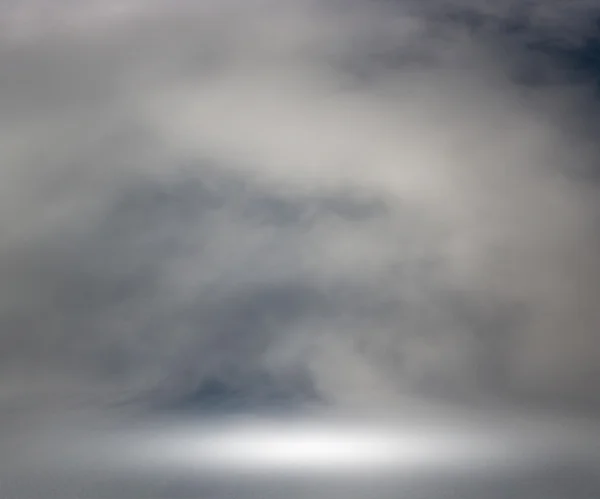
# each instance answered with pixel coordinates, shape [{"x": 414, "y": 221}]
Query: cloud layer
[{"x": 378, "y": 197}]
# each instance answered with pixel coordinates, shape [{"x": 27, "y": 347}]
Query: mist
[{"x": 366, "y": 209}]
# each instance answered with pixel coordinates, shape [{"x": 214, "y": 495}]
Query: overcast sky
[{"x": 348, "y": 204}]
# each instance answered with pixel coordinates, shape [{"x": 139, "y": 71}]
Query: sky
[{"x": 259, "y": 205}]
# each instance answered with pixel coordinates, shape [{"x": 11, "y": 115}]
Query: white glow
[
  {"x": 308, "y": 447},
  {"x": 268, "y": 449},
  {"x": 303, "y": 448}
]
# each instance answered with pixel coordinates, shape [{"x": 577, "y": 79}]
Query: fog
[{"x": 351, "y": 207}]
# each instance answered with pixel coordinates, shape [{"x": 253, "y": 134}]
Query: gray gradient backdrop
[{"x": 268, "y": 205}]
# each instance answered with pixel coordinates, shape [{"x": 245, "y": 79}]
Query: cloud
[{"x": 382, "y": 198}]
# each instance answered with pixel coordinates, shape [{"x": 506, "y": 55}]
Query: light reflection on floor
[{"x": 242, "y": 456}]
